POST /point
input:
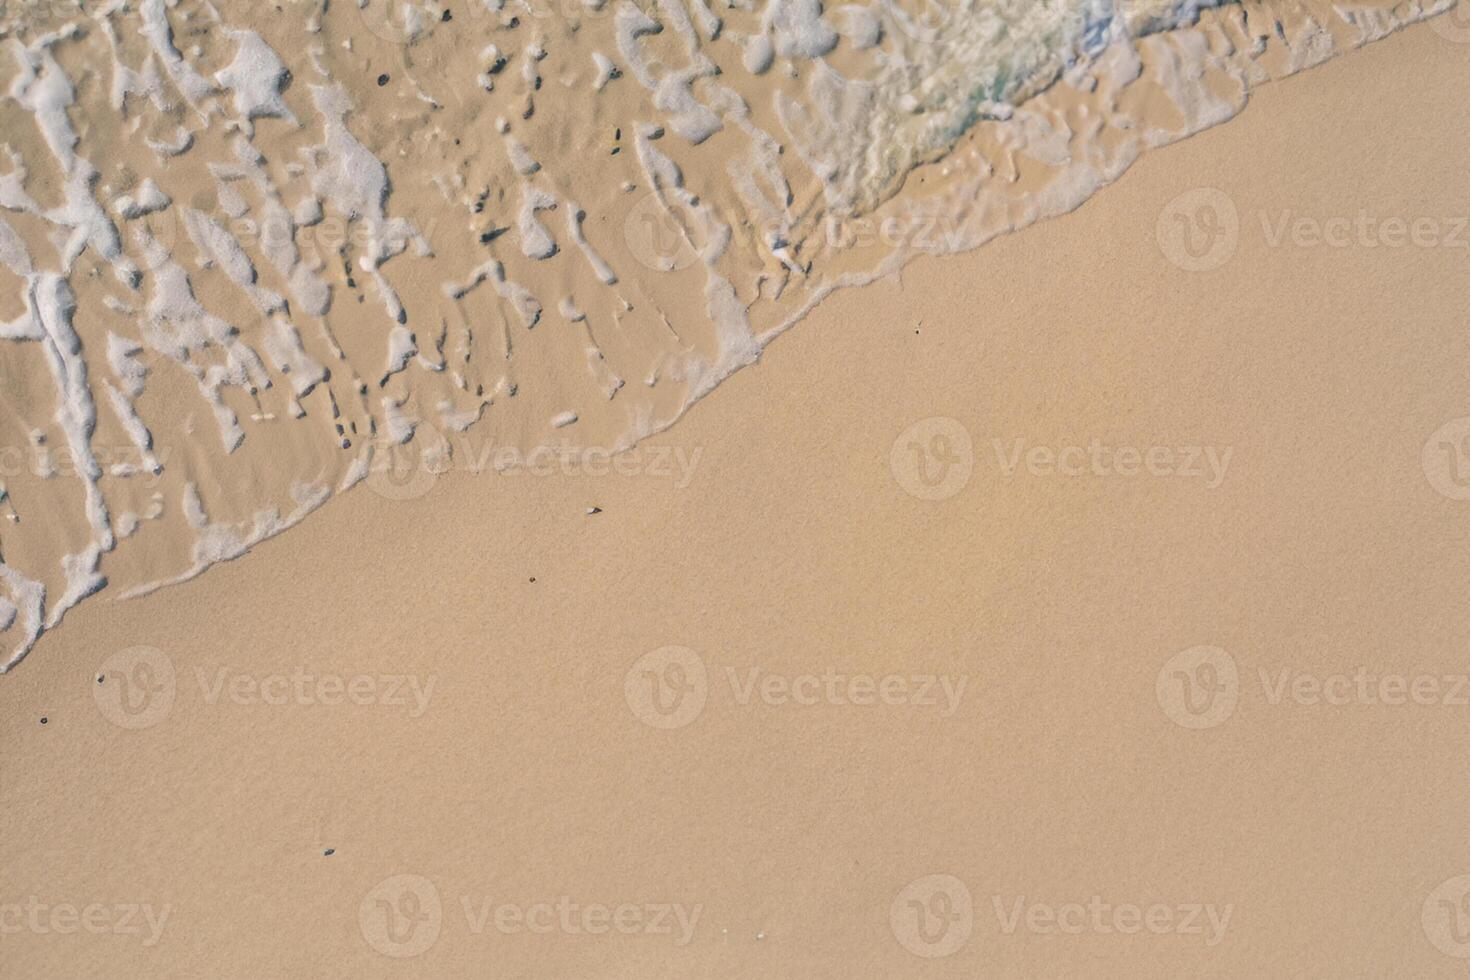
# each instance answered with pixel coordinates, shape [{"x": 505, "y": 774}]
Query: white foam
[
  {"x": 257, "y": 77},
  {"x": 861, "y": 95}
]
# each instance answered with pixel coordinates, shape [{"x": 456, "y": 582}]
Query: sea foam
[{"x": 251, "y": 257}]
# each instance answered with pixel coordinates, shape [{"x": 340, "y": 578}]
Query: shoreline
[{"x": 221, "y": 523}]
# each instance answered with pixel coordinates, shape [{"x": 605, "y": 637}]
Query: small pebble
[{"x": 382, "y": 80}]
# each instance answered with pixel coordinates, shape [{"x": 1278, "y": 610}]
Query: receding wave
[{"x": 252, "y": 256}]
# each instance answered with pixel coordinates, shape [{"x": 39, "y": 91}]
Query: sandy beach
[{"x": 1087, "y": 604}]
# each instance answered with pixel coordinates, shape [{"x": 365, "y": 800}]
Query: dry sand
[{"x": 1084, "y": 828}]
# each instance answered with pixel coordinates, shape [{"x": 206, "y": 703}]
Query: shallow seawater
[{"x": 252, "y": 256}]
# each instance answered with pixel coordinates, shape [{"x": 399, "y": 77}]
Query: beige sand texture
[{"x": 837, "y": 681}]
